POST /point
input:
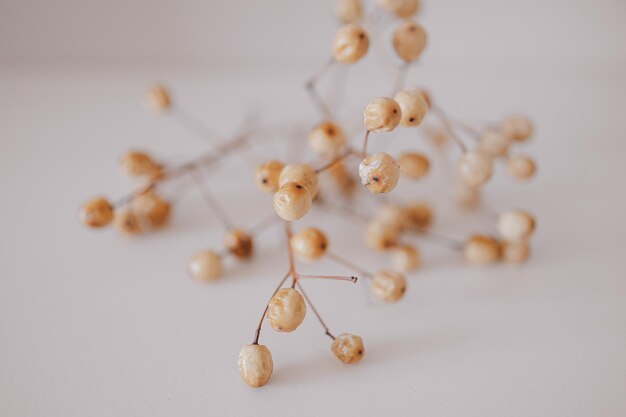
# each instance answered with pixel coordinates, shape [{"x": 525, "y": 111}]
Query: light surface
[{"x": 95, "y": 324}]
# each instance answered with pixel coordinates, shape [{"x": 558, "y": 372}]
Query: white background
[{"x": 94, "y": 324}]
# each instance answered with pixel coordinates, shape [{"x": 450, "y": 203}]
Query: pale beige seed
[
  {"x": 302, "y": 174},
  {"x": 255, "y": 365},
  {"x": 348, "y": 348},
  {"x": 157, "y": 99},
  {"x": 516, "y": 252},
  {"x": 342, "y": 179},
  {"x": 409, "y": 41},
  {"x": 267, "y": 174},
  {"x": 390, "y": 5},
  {"x": 482, "y": 250},
  {"x": 96, "y": 213},
  {"x": 380, "y": 236},
  {"x": 327, "y": 139},
  {"x": 309, "y": 244},
  {"x": 382, "y": 114},
  {"x": 350, "y": 44},
  {"x": 239, "y": 243},
  {"x": 414, "y": 165},
  {"x": 413, "y": 107},
  {"x": 292, "y": 201},
  {"x": 152, "y": 208},
  {"x": 407, "y": 8},
  {"x": 127, "y": 222},
  {"x": 205, "y": 266},
  {"x": 140, "y": 164},
  {"x": 418, "y": 215},
  {"x": 388, "y": 286},
  {"x": 466, "y": 197},
  {"x": 517, "y": 127},
  {"x": 516, "y": 225},
  {"x": 348, "y": 11},
  {"x": 521, "y": 167},
  {"x": 286, "y": 310},
  {"x": 494, "y": 143},
  {"x": 379, "y": 173},
  {"x": 405, "y": 258},
  {"x": 475, "y": 168},
  {"x": 392, "y": 215}
]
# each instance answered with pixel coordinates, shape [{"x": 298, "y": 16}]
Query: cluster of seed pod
[{"x": 296, "y": 187}]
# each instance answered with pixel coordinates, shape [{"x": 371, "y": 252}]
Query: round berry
[
  {"x": 96, "y": 213},
  {"x": 255, "y": 365},
  {"x": 405, "y": 258},
  {"x": 350, "y": 44},
  {"x": 127, "y": 222},
  {"x": 157, "y": 99},
  {"x": 348, "y": 11},
  {"x": 348, "y": 348},
  {"x": 300, "y": 173},
  {"x": 267, "y": 174},
  {"x": 516, "y": 252},
  {"x": 517, "y": 127},
  {"x": 475, "y": 168},
  {"x": 380, "y": 236},
  {"x": 152, "y": 208},
  {"x": 309, "y": 244},
  {"x": 515, "y": 225},
  {"x": 482, "y": 250},
  {"x": 414, "y": 165},
  {"x": 286, "y": 310},
  {"x": 327, "y": 139},
  {"x": 379, "y": 173},
  {"x": 413, "y": 106},
  {"x": 409, "y": 40},
  {"x": 292, "y": 201},
  {"x": 418, "y": 215},
  {"x": 521, "y": 167},
  {"x": 388, "y": 286},
  {"x": 382, "y": 114},
  {"x": 239, "y": 243},
  {"x": 205, "y": 266},
  {"x": 494, "y": 143}
]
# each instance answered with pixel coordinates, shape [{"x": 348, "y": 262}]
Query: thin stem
[
  {"x": 311, "y": 87},
  {"x": 264, "y": 223},
  {"x": 448, "y": 126},
  {"x": 194, "y": 125},
  {"x": 448, "y": 242},
  {"x": 341, "y": 157},
  {"x": 401, "y": 77},
  {"x": 257, "y": 333},
  {"x": 211, "y": 201},
  {"x": 319, "y": 318},
  {"x": 292, "y": 268},
  {"x": 365, "y": 139},
  {"x": 352, "y": 279},
  {"x": 342, "y": 261}
]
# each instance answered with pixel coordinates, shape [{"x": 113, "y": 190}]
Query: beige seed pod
[
  {"x": 391, "y": 215},
  {"x": 348, "y": 11},
  {"x": 482, "y": 250},
  {"x": 205, "y": 266},
  {"x": 96, "y": 213},
  {"x": 494, "y": 143},
  {"x": 302, "y": 174},
  {"x": 255, "y": 365},
  {"x": 407, "y": 8},
  {"x": 414, "y": 165},
  {"x": 157, "y": 99},
  {"x": 388, "y": 286},
  {"x": 390, "y": 5},
  {"x": 475, "y": 168},
  {"x": 466, "y": 197},
  {"x": 521, "y": 167},
  {"x": 309, "y": 244},
  {"x": 350, "y": 44},
  {"x": 405, "y": 258},
  {"x": 517, "y": 127},
  {"x": 267, "y": 174},
  {"x": 286, "y": 310},
  {"x": 379, "y": 236},
  {"x": 516, "y": 225},
  {"x": 418, "y": 215},
  {"x": 413, "y": 106},
  {"x": 382, "y": 114},
  {"x": 126, "y": 222},
  {"x": 152, "y": 208},
  {"x": 348, "y": 348},
  {"x": 516, "y": 252},
  {"x": 409, "y": 40},
  {"x": 140, "y": 164},
  {"x": 292, "y": 201},
  {"x": 239, "y": 243},
  {"x": 379, "y": 173},
  {"x": 327, "y": 139}
]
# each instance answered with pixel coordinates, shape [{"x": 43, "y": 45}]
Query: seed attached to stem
[
  {"x": 405, "y": 258},
  {"x": 379, "y": 173},
  {"x": 482, "y": 250},
  {"x": 348, "y": 11},
  {"x": 327, "y": 139},
  {"x": 96, "y": 213},
  {"x": 299, "y": 173},
  {"x": 286, "y": 310},
  {"x": 409, "y": 41},
  {"x": 413, "y": 105},
  {"x": 350, "y": 44},
  {"x": 127, "y": 222},
  {"x": 267, "y": 174},
  {"x": 292, "y": 201},
  {"x": 516, "y": 225},
  {"x": 521, "y": 167},
  {"x": 475, "y": 168},
  {"x": 517, "y": 127},
  {"x": 255, "y": 365},
  {"x": 239, "y": 243},
  {"x": 309, "y": 244},
  {"x": 348, "y": 348},
  {"x": 414, "y": 165},
  {"x": 157, "y": 99},
  {"x": 388, "y": 286},
  {"x": 382, "y": 114},
  {"x": 205, "y": 266}
]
